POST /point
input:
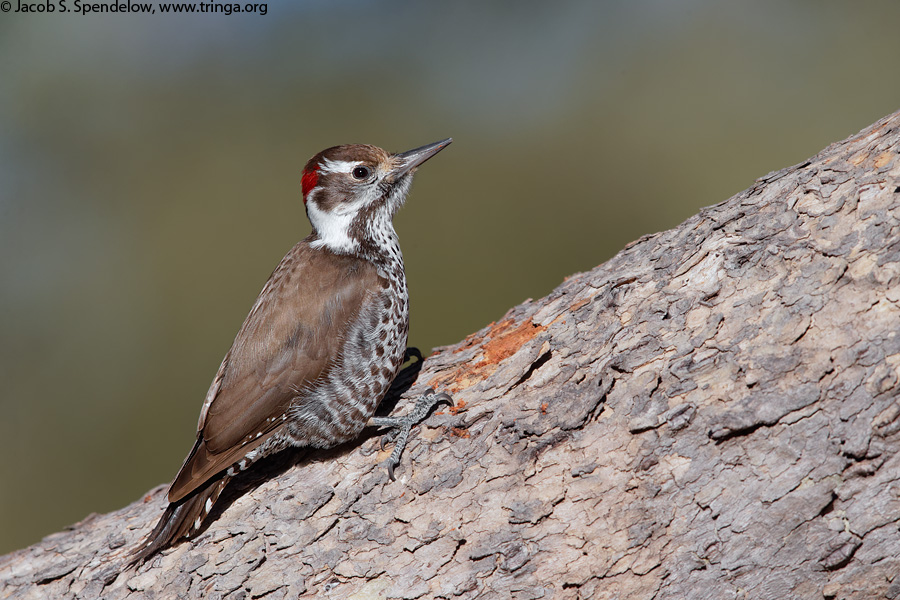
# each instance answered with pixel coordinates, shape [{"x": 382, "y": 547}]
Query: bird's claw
[
  {"x": 388, "y": 438},
  {"x": 402, "y": 426}
]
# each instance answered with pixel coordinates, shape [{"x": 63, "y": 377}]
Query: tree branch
[{"x": 711, "y": 414}]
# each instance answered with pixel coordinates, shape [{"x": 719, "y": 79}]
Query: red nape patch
[{"x": 309, "y": 181}]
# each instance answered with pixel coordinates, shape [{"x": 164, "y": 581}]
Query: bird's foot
[{"x": 401, "y": 426}]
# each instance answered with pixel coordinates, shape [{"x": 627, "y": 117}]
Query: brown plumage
[
  {"x": 286, "y": 344},
  {"x": 322, "y": 343}
]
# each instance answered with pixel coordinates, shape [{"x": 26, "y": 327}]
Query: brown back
[{"x": 288, "y": 342}]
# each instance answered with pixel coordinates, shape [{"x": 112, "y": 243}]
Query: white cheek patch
[
  {"x": 368, "y": 195},
  {"x": 333, "y": 228}
]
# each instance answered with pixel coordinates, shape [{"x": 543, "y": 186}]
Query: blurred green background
[{"x": 149, "y": 180}]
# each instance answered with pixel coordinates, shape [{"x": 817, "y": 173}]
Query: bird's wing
[{"x": 290, "y": 339}]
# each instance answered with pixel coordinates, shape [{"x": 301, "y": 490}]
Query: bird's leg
[{"x": 401, "y": 426}]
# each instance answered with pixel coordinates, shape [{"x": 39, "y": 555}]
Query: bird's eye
[{"x": 360, "y": 172}]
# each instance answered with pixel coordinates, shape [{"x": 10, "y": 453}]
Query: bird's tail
[{"x": 180, "y": 519}]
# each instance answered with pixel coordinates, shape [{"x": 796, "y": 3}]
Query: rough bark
[{"x": 711, "y": 414}]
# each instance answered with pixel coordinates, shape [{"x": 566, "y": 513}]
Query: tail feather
[{"x": 180, "y": 519}]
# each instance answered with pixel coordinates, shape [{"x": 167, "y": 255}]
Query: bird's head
[{"x": 352, "y": 192}]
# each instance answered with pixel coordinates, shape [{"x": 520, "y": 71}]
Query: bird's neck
[
  {"x": 371, "y": 237},
  {"x": 381, "y": 246}
]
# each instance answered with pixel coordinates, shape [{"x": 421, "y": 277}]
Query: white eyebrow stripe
[{"x": 338, "y": 166}]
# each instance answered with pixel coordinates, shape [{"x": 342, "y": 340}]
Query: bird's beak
[{"x": 409, "y": 160}]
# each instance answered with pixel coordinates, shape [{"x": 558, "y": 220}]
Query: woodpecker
[{"x": 322, "y": 343}]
